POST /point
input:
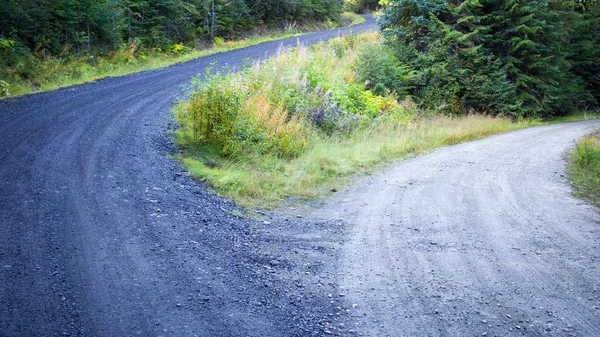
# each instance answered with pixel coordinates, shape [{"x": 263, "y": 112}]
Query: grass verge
[
  {"x": 305, "y": 122},
  {"x": 59, "y": 72},
  {"x": 584, "y": 168},
  {"x": 575, "y": 117},
  {"x": 330, "y": 162},
  {"x": 351, "y": 19}
]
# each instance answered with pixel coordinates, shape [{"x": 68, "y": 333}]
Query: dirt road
[
  {"x": 103, "y": 234},
  {"x": 478, "y": 239}
]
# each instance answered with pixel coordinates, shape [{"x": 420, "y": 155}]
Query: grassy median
[{"x": 304, "y": 122}]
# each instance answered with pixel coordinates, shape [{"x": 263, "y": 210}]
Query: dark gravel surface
[{"x": 104, "y": 235}]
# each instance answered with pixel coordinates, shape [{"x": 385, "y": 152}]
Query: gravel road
[
  {"x": 104, "y": 235},
  {"x": 478, "y": 239}
]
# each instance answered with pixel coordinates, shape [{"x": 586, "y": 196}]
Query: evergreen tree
[
  {"x": 585, "y": 46},
  {"x": 522, "y": 50},
  {"x": 76, "y": 25}
]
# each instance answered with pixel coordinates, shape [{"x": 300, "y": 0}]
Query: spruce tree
[
  {"x": 526, "y": 51},
  {"x": 585, "y": 47}
]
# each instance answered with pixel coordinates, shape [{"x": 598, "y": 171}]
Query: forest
[
  {"x": 51, "y": 26},
  {"x": 510, "y": 57}
]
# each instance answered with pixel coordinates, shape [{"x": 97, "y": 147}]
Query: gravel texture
[
  {"x": 478, "y": 239},
  {"x": 103, "y": 234}
]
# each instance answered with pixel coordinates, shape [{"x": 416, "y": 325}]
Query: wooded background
[{"x": 59, "y": 26}]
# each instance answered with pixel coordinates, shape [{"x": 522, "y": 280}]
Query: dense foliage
[
  {"x": 275, "y": 107},
  {"x": 43, "y": 42},
  {"x": 362, "y": 6},
  {"x": 298, "y": 124},
  {"x": 53, "y": 25},
  {"x": 526, "y": 58}
]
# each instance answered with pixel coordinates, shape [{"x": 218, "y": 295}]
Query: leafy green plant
[
  {"x": 219, "y": 41},
  {"x": 4, "y": 88},
  {"x": 382, "y": 72},
  {"x": 584, "y": 168},
  {"x": 222, "y": 113}
]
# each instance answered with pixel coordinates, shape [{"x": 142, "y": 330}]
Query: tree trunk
[
  {"x": 128, "y": 25},
  {"x": 89, "y": 39},
  {"x": 212, "y": 25}
]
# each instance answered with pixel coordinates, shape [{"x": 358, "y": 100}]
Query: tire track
[{"x": 481, "y": 238}]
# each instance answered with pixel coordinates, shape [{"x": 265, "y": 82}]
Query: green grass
[
  {"x": 576, "y": 117},
  {"x": 330, "y": 163},
  {"x": 351, "y": 19},
  {"x": 584, "y": 168},
  {"x": 59, "y": 72}
]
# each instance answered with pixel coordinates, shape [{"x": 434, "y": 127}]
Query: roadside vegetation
[
  {"x": 56, "y": 72},
  {"x": 584, "y": 168},
  {"x": 442, "y": 72},
  {"x": 46, "y": 45},
  {"x": 302, "y": 123}
]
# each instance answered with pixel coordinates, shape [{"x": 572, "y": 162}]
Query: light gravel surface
[
  {"x": 103, "y": 234},
  {"x": 478, "y": 239}
]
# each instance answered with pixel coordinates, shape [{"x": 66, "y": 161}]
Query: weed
[
  {"x": 584, "y": 168},
  {"x": 4, "y": 86},
  {"x": 303, "y": 123}
]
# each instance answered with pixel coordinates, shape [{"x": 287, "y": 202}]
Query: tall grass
[
  {"x": 329, "y": 162},
  {"x": 584, "y": 168},
  {"x": 304, "y": 122}
]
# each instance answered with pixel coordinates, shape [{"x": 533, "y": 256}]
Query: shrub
[
  {"x": 469, "y": 81},
  {"x": 222, "y": 114},
  {"x": 382, "y": 72},
  {"x": 584, "y": 168},
  {"x": 219, "y": 41},
  {"x": 279, "y": 106},
  {"x": 587, "y": 155},
  {"x": 177, "y": 48},
  {"x": 4, "y": 86}
]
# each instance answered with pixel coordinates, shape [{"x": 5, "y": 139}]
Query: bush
[
  {"x": 4, "y": 86},
  {"x": 584, "y": 168},
  {"x": 587, "y": 155},
  {"x": 277, "y": 107},
  {"x": 382, "y": 72},
  {"x": 221, "y": 113},
  {"x": 456, "y": 83}
]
